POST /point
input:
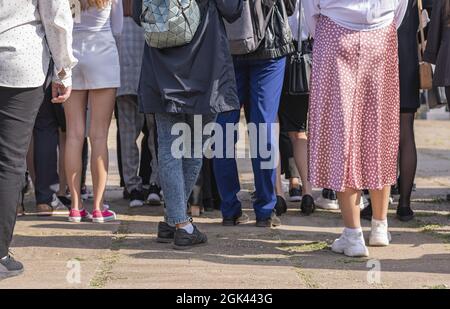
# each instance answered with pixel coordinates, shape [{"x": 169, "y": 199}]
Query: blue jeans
[
  {"x": 178, "y": 175},
  {"x": 259, "y": 83}
]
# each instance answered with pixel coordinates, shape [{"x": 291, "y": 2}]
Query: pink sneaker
[
  {"x": 103, "y": 216},
  {"x": 79, "y": 215}
]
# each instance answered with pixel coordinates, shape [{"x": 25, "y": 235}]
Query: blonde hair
[
  {"x": 99, "y": 4},
  {"x": 127, "y": 7}
]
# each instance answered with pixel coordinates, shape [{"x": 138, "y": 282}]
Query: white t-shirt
[
  {"x": 293, "y": 22},
  {"x": 108, "y": 19},
  {"x": 359, "y": 15}
]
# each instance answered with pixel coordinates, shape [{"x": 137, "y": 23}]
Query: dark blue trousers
[
  {"x": 46, "y": 138},
  {"x": 259, "y": 85}
]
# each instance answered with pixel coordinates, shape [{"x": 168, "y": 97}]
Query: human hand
[{"x": 60, "y": 94}]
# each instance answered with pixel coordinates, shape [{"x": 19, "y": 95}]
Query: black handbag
[{"x": 299, "y": 64}]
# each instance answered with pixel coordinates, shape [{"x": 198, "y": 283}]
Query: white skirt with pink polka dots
[{"x": 354, "y": 108}]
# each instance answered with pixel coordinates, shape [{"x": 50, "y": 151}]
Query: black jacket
[
  {"x": 197, "y": 78},
  {"x": 409, "y": 58},
  {"x": 438, "y": 45},
  {"x": 278, "y": 40}
]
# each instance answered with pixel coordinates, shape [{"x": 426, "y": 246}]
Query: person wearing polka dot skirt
[{"x": 354, "y": 109}]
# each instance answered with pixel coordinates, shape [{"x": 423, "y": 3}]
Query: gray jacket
[{"x": 197, "y": 78}]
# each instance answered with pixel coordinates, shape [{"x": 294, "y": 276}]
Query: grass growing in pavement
[
  {"x": 309, "y": 247},
  {"x": 102, "y": 275}
]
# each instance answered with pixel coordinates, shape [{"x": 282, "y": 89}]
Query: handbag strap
[
  {"x": 299, "y": 33},
  {"x": 422, "y": 32}
]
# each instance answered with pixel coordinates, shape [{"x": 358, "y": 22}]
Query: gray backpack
[
  {"x": 170, "y": 23},
  {"x": 246, "y": 34}
]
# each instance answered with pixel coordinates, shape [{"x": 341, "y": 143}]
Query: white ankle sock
[
  {"x": 188, "y": 228},
  {"x": 352, "y": 232},
  {"x": 379, "y": 222}
]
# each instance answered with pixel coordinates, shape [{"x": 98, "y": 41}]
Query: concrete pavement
[{"x": 124, "y": 254}]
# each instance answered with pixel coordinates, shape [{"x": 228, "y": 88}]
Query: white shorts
[{"x": 98, "y": 61}]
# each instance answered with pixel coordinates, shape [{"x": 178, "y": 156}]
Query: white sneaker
[
  {"x": 350, "y": 245},
  {"x": 379, "y": 236},
  {"x": 325, "y": 203}
]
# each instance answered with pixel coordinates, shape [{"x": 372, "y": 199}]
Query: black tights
[{"x": 407, "y": 158}]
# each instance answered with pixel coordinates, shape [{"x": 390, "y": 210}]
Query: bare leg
[
  {"x": 102, "y": 107},
  {"x": 349, "y": 205},
  {"x": 351, "y": 242},
  {"x": 75, "y": 111},
  {"x": 300, "y": 146},
  {"x": 61, "y": 168},
  {"x": 380, "y": 202}
]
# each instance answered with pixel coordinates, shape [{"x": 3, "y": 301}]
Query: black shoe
[
  {"x": 166, "y": 233},
  {"x": 136, "y": 198},
  {"x": 66, "y": 201},
  {"x": 280, "y": 206},
  {"x": 154, "y": 195},
  {"x": 10, "y": 267},
  {"x": 295, "y": 195},
  {"x": 307, "y": 207},
  {"x": 366, "y": 213},
  {"x": 208, "y": 204},
  {"x": 183, "y": 240},
  {"x": 405, "y": 213},
  {"x": 241, "y": 218},
  {"x": 269, "y": 222},
  {"x": 126, "y": 194}
]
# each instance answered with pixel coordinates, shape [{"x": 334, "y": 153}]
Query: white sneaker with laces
[
  {"x": 351, "y": 244},
  {"x": 379, "y": 236}
]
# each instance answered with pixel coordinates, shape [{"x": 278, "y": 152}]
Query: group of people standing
[{"x": 351, "y": 133}]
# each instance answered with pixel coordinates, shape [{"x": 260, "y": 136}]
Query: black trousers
[
  {"x": 46, "y": 138},
  {"x": 18, "y": 110}
]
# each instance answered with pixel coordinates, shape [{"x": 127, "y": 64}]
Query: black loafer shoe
[
  {"x": 166, "y": 233},
  {"x": 405, "y": 213},
  {"x": 183, "y": 240},
  {"x": 307, "y": 207},
  {"x": 280, "y": 206}
]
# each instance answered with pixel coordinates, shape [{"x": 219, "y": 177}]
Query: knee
[
  {"x": 76, "y": 136},
  {"x": 298, "y": 135}
]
